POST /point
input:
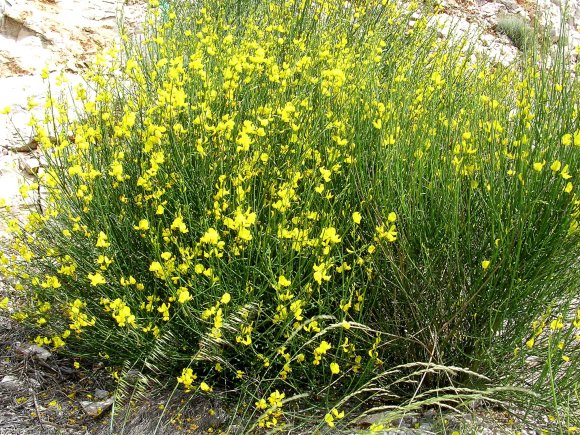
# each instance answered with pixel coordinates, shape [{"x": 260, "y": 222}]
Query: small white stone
[
  {"x": 11, "y": 383},
  {"x": 94, "y": 409},
  {"x": 34, "y": 351}
]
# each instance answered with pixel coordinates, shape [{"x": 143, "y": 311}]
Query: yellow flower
[
  {"x": 323, "y": 347},
  {"x": 567, "y": 139},
  {"x": 392, "y": 216},
  {"x": 187, "y": 377},
  {"x": 183, "y": 295},
  {"x": 568, "y": 187},
  {"x": 4, "y": 304},
  {"x": 485, "y": 264},
  {"x": 142, "y": 226},
  {"x": 555, "y": 167},
  {"x": 102, "y": 241},
  {"x": 275, "y": 398},
  {"x": 226, "y": 298},
  {"x": 205, "y": 387},
  {"x": 6, "y": 110},
  {"x": 164, "y": 310},
  {"x": 320, "y": 273},
  {"x": 337, "y": 414},
  {"x": 538, "y": 166},
  {"x": 96, "y": 279},
  {"x": 565, "y": 174},
  {"x": 383, "y": 233},
  {"x": 530, "y": 342},
  {"x": 211, "y": 237},
  {"x": 329, "y": 419},
  {"x": 326, "y": 173},
  {"x": 156, "y": 267},
  {"x": 329, "y": 235},
  {"x": 283, "y": 281},
  {"x": 178, "y": 224},
  {"x": 334, "y": 368},
  {"x": 356, "y": 217}
]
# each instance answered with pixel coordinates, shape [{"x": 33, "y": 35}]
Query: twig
[{"x": 31, "y": 390}]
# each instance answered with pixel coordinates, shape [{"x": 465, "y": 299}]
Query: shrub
[
  {"x": 517, "y": 28},
  {"x": 310, "y": 205}
]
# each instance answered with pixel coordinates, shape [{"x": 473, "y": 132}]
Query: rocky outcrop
[
  {"x": 498, "y": 47},
  {"x": 559, "y": 18},
  {"x": 36, "y": 34},
  {"x": 65, "y": 33}
]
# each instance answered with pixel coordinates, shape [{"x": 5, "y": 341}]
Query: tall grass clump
[
  {"x": 313, "y": 207},
  {"x": 517, "y": 29}
]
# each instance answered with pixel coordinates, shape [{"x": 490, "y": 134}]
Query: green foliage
[
  {"x": 518, "y": 29},
  {"x": 307, "y": 206}
]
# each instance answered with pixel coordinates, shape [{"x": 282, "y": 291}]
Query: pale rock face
[
  {"x": 491, "y": 11},
  {"x": 449, "y": 25},
  {"x": 34, "y": 33},
  {"x": 60, "y": 34},
  {"x": 512, "y": 7},
  {"x": 477, "y": 19},
  {"x": 497, "y": 47}
]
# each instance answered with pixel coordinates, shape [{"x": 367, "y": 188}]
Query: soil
[{"x": 46, "y": 397}]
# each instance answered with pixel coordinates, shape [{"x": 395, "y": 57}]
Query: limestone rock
[
  {"x": 101, "y": 394},
  {"x": 31, "y": 164},
  {"x": 452, "y": 26},
  {"x": 34, "y": 351},
  {"x": 11, "y": 383},
  {"x": 16, "y": 134},
  {"x": 36, "y": 33},
  {"x": 94, "y": 409}
]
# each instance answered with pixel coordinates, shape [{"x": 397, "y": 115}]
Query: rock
[
  {"x": 549, "y": 14},
  {"x": 31, "y": 165},
  {"x": 10, "y": 179},
  {"x": 453, "y": 27},
  {"x": 34, "y": 351},
  {"x": 32, "y": 34},
  {"x": 512, "y": 7},
  {"x": 94, "y": 409},
  {"x": 497, "y": 50},
  {"x": 28, "y": 145},
  {"x": 11, "y": 383},
  {"x": 15, "y": 133},
  {"x": 490, "y": 12},
  {"x": 100, "y": 394},
  {"x": 426, "y": 427},
  {"x": 487, "y": 40}
]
